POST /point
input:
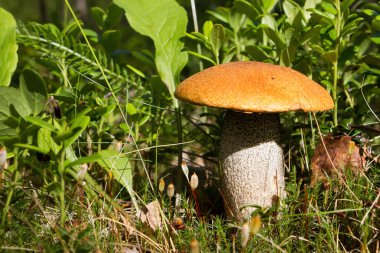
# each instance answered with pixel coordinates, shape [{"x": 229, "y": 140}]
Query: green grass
[{"x": 317, "y": 220}]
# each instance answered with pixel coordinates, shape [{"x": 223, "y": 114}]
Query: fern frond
[{"x": 62, "y": 47}]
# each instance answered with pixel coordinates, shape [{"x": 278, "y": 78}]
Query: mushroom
[{"x": 254, "y": 94}]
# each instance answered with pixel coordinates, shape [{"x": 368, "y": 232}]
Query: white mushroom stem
[{"x": 253, "y": 165}]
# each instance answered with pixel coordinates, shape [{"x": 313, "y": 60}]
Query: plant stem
[
  {"x": 61, "y": 170},
  {"x": 335, "y": 64},
  {"x": 195, "y": 20},
  {"x": 178, "y": 171},
  {"x": 335, "y": 85},
  {"x": 11, "y": 191}
]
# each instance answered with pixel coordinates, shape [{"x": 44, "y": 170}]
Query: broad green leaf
[
  {"x": 8, "y": 47},
  {"x": 164, "y": 21},
  {"x": 33, "y": 89},
  {"x": 46, "y": 142},
  {"x": 119, "y": 166},
  {"x": 12, "y": 103}
]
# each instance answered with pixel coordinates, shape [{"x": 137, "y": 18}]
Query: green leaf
[
  {"x": 46, "y": 142},
  {"x": 41, "y": 123},
  {"x": 8, "y": 47},
  {"x": 345, "y": 4},
  {"x": 131, "y": 109},
  {"x": 103, "y": 154},
  {"x": 77, "y": 126},
  {"x": 31, "y": 147},
  {"x": 7, "y": 130},
  {"x": 291, "y": 10},
  {"x": 247, "y": 8},
  {"x": 376, "y": 40},
  {"x": 229, "y": 55},
  {"x": 328, "y": 7},
  {"x": 375, "y": 25},
  {"x": 136, "y": 71},
  {"x": 98, "y": 15},
  {"x": 201, "y": 56},
  {"x": 330, "y": 56},
  {"x": 114, "y": 15},
  {"x": 217, "y": 37},
  {"x": 269, "y": 21},
  {"x": 256, "y": 53},
  {"x": 268, "y": 5},
  {"x": 110, "y": 40},
  {"x": 33, "y": 89},
  {"x": 207, "y": 27},
  {"x": 322, "y": 17},
  {"x": 310, "y": 34},
  {"x": 144, "y": 119},
  {"x": 275, "y": 37},
  {"x": 119, "y": 166},
  {"x": 12, "y": 102},
  {"x": 164, "y": 21}
]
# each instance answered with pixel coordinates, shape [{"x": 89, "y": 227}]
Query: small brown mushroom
[{"x": 254, "y": 93}]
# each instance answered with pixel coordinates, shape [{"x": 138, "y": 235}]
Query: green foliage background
[{"x": 94, "y": 87}]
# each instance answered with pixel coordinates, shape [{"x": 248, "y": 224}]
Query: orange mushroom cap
[{"x": 254, "y": 87}]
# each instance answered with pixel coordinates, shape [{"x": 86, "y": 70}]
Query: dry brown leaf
[
  {"x": 344, "y": 154},
  {"x": 151, "y": 215}
]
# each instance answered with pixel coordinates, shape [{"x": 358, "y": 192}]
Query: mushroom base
[{"x": 253, "y": 165}]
